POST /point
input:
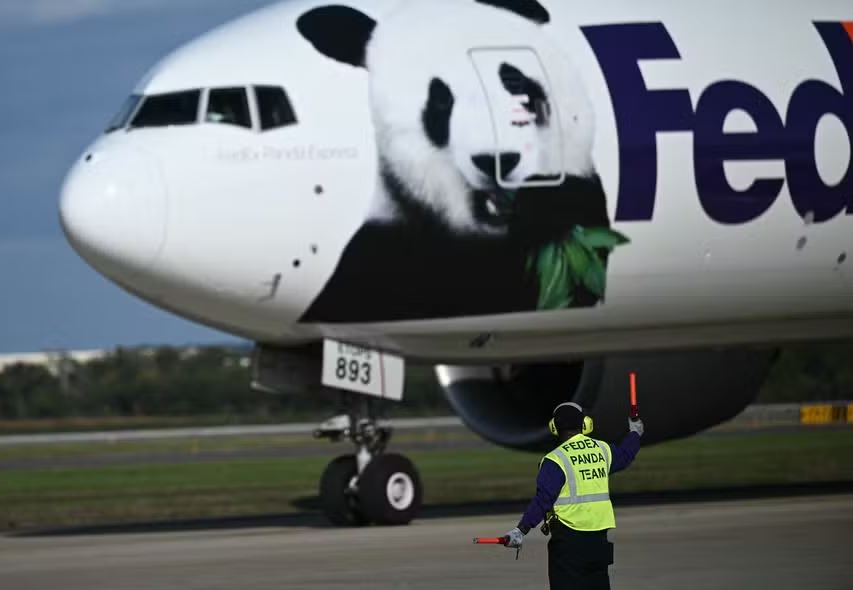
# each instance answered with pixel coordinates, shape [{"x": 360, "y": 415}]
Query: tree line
[
  {"x": 214, "y": 381},
  {"x": 165, "y": 381}
]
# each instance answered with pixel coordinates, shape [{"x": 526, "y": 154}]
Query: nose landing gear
[{"x": 370, "y": 486}]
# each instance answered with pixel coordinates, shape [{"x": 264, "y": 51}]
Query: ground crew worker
[{"x": 572, "y": 496}]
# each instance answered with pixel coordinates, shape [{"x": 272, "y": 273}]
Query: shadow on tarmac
[{"x": 311, "y": 516}]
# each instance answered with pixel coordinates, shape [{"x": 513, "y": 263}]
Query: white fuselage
[{"x": 241, "y": 228}]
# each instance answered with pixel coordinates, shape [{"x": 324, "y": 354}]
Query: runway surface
[
  {"x": 303, "y": 428},
  {"x": 788, "y": 543}
]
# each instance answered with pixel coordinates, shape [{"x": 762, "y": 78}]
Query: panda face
[
  {"x": 441, "y": 142},
  {"x": 453, "y": 122},
  {"x": 504, "y": 149},
  {"x": 458, "y": 134}
]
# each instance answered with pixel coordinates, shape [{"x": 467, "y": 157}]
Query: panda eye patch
[
  {"x": 440, "y": 96},
  {"x": 512, "y": 79},
  {"x": 517, "y": 84},
  {"x": 436, "y": 113}
]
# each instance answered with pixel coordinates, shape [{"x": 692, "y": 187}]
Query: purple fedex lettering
[
  {"x": 810, "y": 102},
  {"x": 712, "y": 148},
  {"x": 642, "y": 113}
]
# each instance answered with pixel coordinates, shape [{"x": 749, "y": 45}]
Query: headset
[{"x": 587, "y": 420}]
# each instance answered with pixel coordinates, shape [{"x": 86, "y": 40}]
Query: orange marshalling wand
[
  {"x": 635, "y": 409},
  {"x": 490, "y": 540},
  {"x": 495, "y": 541}
]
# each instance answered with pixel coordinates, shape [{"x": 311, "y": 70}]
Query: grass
[
  {"x": 737, "y": 460},
  {"x": 191, "y": 489},
  {"x": 194, "y": 445}
]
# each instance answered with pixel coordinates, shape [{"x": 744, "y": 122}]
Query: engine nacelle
[{"x": 679, "y": 394}]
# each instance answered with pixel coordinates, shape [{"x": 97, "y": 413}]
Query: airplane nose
[{"x": 113, "y": 209}]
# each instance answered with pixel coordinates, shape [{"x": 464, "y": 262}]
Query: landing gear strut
[{"x": 370, "y": 486}]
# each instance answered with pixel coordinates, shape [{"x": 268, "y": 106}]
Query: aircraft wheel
[
  {"x": 390, "y": 490},
  {"x": 339, "y": 500}
]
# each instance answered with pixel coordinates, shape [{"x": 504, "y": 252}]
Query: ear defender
[{"x": 587, "y": 420}]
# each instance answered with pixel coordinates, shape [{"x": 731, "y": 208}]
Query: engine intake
[{"x": 679, "y": 393}]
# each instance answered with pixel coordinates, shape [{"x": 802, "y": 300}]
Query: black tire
[
  {"x": 390, "y": 490},
  {"x": 340, "y": 504}
]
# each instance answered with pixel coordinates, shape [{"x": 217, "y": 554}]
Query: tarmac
[{"x": 778, "y": 543}]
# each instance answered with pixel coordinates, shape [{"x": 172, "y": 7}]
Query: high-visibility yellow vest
[{"x": 584, "y": 501}]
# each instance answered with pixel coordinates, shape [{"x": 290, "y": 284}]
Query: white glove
[
  {"x": 636, "y": 426},
  {"x": 514, "y": 538}
]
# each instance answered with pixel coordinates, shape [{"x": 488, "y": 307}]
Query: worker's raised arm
[
  {"x": 627, "y": 449},
  {"x": 549, "y": 482}
]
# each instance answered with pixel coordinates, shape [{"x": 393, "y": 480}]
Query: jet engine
[{"x": 679, "y": 394}]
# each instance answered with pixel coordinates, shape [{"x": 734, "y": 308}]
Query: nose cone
[{"x": 113, "y": 209}]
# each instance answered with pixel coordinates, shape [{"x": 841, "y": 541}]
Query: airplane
[{"x": 536, "y": 197}]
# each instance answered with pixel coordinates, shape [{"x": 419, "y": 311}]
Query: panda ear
[
  {"x": 338, "y": 32},
  {"x": 530, "y": 9}
]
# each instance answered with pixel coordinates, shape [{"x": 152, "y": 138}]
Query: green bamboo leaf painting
[
  {"x": 563, "y": 266},
  {"x": 554, "y": 282},
  {"x": 595, "y": 278},
  {"x": 579, "y": 259},
  {"x": 601, "y": 237},
  {"x": 547, "y": 260}
]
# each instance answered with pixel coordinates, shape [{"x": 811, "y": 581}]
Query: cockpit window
[
  {"x": 173, "y": 108},
  {"x": 229, "y": 106},
  {"x": 121, "y": 118},
  {"x": 274, "y": 107}
]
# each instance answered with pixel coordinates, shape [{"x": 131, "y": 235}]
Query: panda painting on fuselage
[{"x": 487, "y": 200}]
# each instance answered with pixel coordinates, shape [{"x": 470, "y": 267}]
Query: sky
[{"x": 65, "y": 68}]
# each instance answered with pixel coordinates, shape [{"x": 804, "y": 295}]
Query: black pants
[{"x": 578, "y": 560}]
